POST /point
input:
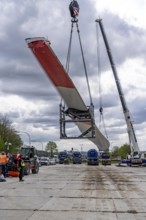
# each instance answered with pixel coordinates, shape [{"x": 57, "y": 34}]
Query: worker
[
  {"x": 74, "y": 9},
  {"x": 21, "y": 166},
  {"x": 3, "y": 163},
  {"x": 2, "y": 179}
]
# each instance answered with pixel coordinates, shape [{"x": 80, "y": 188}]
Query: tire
[
  {"x": 36, "y": 169},
  {"x": 26, "y": 169}
]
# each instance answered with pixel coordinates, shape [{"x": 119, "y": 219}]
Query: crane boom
[{"x": 131, "y": 133}]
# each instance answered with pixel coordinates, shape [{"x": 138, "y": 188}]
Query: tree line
[
  {"x": 10, "y": 141},
  {"x": 9, "y": 137},
  {"x": 122, "y": 151}
]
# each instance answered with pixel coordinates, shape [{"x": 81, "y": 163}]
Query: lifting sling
[{"x": 75, "y": 21}]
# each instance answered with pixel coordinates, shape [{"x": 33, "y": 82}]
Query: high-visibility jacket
[
  {"x": 3, "y": 159},
  {"x": 22, "y": 164}
]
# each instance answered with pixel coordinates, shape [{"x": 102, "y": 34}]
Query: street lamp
[
  {"x": 27, "y": 135},
  {"x": 39, "y": 142}
]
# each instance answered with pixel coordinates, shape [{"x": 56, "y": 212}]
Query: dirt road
[{"x": 76, "y": 192}]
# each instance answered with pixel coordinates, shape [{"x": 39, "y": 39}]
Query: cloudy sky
[{"x": 27, "y": 96}]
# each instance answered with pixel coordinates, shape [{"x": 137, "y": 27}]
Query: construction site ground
[{"x": 76, "y": 192}]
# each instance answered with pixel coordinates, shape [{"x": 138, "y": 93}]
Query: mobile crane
[{"x": 135, "y": 157}]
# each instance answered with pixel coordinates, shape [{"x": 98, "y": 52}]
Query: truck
[
  {"x": 92, "y": 157},
  {"x": 63, "y": 157},
  {"x": 105, "y": 158},
  {"x": 29, "y": 155},
  {"x": 76, "y": 157}
]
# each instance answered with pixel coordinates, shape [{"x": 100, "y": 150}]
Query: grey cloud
[
  {"x": 123, "y": 39},
  {"x": 20, "y": 74}
]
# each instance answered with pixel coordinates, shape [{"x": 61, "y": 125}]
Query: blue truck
[
  {"x": 76, "y": 157},
  {"x": 63, "y": 157},
  {"x": 105, "y": 158},
  {"x": 92, "y": 157}
]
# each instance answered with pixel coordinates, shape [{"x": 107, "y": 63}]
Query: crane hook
[{"x": 74, "y": 10}]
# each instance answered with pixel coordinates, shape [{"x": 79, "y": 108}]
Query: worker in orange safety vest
[{"x": 3, "y": 162}]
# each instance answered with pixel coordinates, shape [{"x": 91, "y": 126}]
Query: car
[
  {"x": 44, "y": 161},
  {"x": 52, "y": 161},
  {"x": 56, "y": 159},
  {"x": 39, "y": 161}
]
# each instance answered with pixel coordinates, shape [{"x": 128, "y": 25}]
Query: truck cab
[
  {"x": 105, "y": 158},
  {"x": 63, "y": 157},
  {"x": 93, "y": 157},
  {"x": 76, "y": 157}
]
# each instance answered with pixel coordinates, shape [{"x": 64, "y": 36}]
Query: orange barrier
[{"x": 13, "y": 173}]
